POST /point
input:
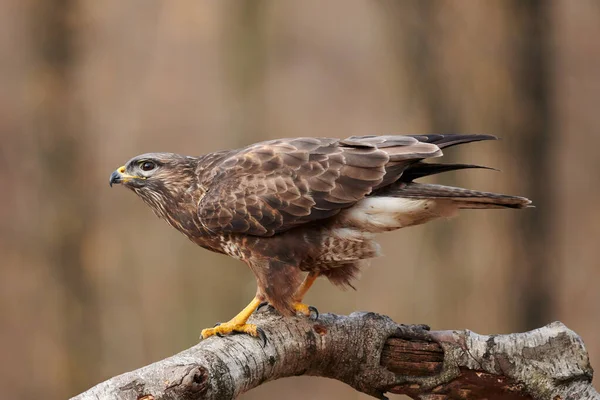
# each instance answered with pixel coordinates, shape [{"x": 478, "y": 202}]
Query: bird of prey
[{"x": 303, "y": 205}]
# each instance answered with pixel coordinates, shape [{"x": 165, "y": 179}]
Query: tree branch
[{"x": 372, "y": 354}]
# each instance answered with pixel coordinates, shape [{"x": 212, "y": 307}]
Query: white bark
[{"x": 374, "y": 355}]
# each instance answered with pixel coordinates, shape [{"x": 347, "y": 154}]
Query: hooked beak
[{"x": 119, "y": 176}]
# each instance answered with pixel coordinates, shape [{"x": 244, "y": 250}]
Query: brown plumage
[{"x": 304, "y": 204}]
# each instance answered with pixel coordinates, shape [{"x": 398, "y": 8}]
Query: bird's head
[{"x": 160, "y": 179}]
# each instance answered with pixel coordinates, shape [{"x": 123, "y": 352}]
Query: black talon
[
  {"x": 218, "y": 334},
  {"x": 313, "y": 309},
  {"x": 265, "y": 304},
  {"x": 262, "y": 336}
]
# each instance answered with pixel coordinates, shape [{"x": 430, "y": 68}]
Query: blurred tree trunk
[
  {"x": 531, "y": 73},
  {"x": 63, "y": 163},
  {"x": 245, "y": 58}
]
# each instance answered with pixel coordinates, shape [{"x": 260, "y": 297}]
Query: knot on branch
[{"x": 549, "y": 362}]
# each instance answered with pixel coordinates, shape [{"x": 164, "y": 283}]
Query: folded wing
[{"x": 270, "y": 187}]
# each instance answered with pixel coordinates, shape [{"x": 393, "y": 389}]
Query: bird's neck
[{"x": 174, "y": 202}]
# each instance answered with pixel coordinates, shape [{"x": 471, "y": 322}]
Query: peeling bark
[{"x": 372, "y": 354}]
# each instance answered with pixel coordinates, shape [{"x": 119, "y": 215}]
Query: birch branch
[{"x": 372, "y": 354}]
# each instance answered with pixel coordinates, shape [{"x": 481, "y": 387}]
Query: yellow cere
[{"x": 126, "y": 177}]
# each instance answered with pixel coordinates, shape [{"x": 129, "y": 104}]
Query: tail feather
[
  {"x": 444, "y": 141},
  {"x": 421, "y": 169},
  {"x": 463, "y": 198}
]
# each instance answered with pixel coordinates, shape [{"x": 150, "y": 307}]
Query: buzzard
[{"x": 312, "y": 205}]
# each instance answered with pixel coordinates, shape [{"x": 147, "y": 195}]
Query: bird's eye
[{"x": 147, "y": 166}]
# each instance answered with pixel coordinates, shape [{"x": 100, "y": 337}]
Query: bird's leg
[
  {"x": 301, "y": 292},
  {"x": 238, "y": 323}
]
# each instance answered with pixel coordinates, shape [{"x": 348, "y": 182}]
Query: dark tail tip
[
  {"x": 448, "y": 140},
  {"x": 422, "y": 169}
]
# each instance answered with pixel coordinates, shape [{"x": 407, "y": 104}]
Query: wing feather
[{"x": 270, "y": 187}]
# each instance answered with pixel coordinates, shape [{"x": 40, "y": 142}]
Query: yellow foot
[
  {"x": 231, "y": 327},
  {"x": 306, "y": 310}
]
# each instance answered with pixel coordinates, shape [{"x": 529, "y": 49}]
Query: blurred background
[{"x": 93, "y": 285}]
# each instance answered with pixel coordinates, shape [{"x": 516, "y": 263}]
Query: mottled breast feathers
[{"x": 270, "y": 187}]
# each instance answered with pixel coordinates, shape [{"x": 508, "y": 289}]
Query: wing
[{"x": 273, "y": 186}]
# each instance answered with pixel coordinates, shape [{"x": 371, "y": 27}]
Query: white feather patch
[{"x": 379, "y": 214}]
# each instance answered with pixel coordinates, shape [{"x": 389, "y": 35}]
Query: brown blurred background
[{"x": 92, "y": 284}]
